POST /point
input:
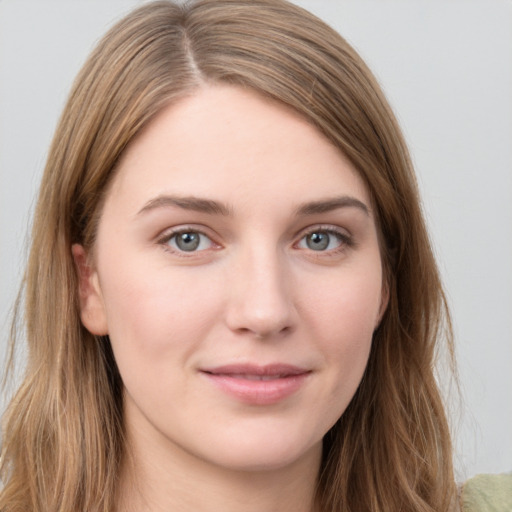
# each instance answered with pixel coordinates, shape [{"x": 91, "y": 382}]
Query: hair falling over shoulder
[{"x": 62, "y": 442}]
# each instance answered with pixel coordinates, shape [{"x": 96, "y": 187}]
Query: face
[{"x": 237, "y": 273}]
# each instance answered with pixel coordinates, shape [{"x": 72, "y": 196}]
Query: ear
[
  {"x": 384, "y": 301},
  {"x": 92, "y": 308}
]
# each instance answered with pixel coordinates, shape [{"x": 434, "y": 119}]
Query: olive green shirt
[{"x": 488, "y": 493}]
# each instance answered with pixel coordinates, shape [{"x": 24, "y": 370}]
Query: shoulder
[{"x": 488, "y": 493}]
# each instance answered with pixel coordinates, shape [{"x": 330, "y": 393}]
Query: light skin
[{"x": 233, "y": 234}]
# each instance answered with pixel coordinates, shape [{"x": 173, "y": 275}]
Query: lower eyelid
[
  {"x": 165, "y": 239},
  {"x": 344, "y": 238}
]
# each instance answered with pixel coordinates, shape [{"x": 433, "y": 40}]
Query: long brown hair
[{"x": 63, "y": 431}]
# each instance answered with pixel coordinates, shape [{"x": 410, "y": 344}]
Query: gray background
[{"x": 446, "y": 67}]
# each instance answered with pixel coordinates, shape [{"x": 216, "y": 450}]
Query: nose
[{"x": 260, "y": 299}]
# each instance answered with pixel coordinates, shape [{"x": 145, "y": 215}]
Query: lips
[{"x": 258, "y": 385}]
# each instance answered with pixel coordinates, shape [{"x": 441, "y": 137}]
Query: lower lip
[{"x": 258, "y": 392}]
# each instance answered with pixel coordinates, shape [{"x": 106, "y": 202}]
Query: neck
[{"x": 159, "y": 480}]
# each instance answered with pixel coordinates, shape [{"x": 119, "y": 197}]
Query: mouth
[
  {"x": 252, "y": 377},
  {"x": 258, "y": 385}
]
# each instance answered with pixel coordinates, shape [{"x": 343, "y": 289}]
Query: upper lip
[{"x": 268, "y": 370}]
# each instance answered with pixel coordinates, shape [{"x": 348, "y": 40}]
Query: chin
[{"x": 263, "y": 455}]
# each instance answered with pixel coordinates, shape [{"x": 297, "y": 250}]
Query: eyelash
[
  {"x": 345, "y": 240},
  {"x": 169, "y": 235}
]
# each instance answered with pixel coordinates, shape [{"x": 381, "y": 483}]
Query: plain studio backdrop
[{"x": 446, "y": 67}]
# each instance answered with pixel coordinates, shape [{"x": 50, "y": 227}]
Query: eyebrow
[
  {"x": 196, "y": 204},
  {"x": 212, "y": 207},
  {"x": 328, "y": 205}
]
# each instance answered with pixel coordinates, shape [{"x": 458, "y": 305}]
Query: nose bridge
[{"x": 261, "y": 299}]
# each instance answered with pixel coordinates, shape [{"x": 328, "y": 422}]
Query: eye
[
  {"x": 188, "y": 241},
  {"x": 323, "y": 240}
]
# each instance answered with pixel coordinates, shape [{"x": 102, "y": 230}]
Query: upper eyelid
[
  {"x": 165, "y": 237},
  {"x": 172, "y": 231},
  {"x": 330, "y": 228},
  {"x": 346, "y": 239},
  {"x": 168, "y": 233}
]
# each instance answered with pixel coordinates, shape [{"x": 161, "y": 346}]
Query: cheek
[
  {"x": 343, "y": 313},
  {"x": 346, "y": 305},
  {"x": 155, "y": 327},
  {"x": 154, "y": 315}
]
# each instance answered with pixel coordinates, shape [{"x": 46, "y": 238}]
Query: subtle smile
[{"x": 258, "y": 385}]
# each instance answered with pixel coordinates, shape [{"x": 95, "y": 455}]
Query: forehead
[{"x": 227, "y": 141}]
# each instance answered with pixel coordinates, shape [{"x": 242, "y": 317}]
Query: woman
[{"x": 230, "y": 286}]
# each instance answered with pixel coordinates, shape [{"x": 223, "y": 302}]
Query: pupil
[
  {"x": 318, "y": 241},
  {"x": 188, "y": 241}
]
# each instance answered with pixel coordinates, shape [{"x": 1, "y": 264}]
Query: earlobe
[{"x": 92, "y": 308}]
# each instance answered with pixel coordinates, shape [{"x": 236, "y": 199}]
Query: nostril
[{"x": 264, "y": 333}]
